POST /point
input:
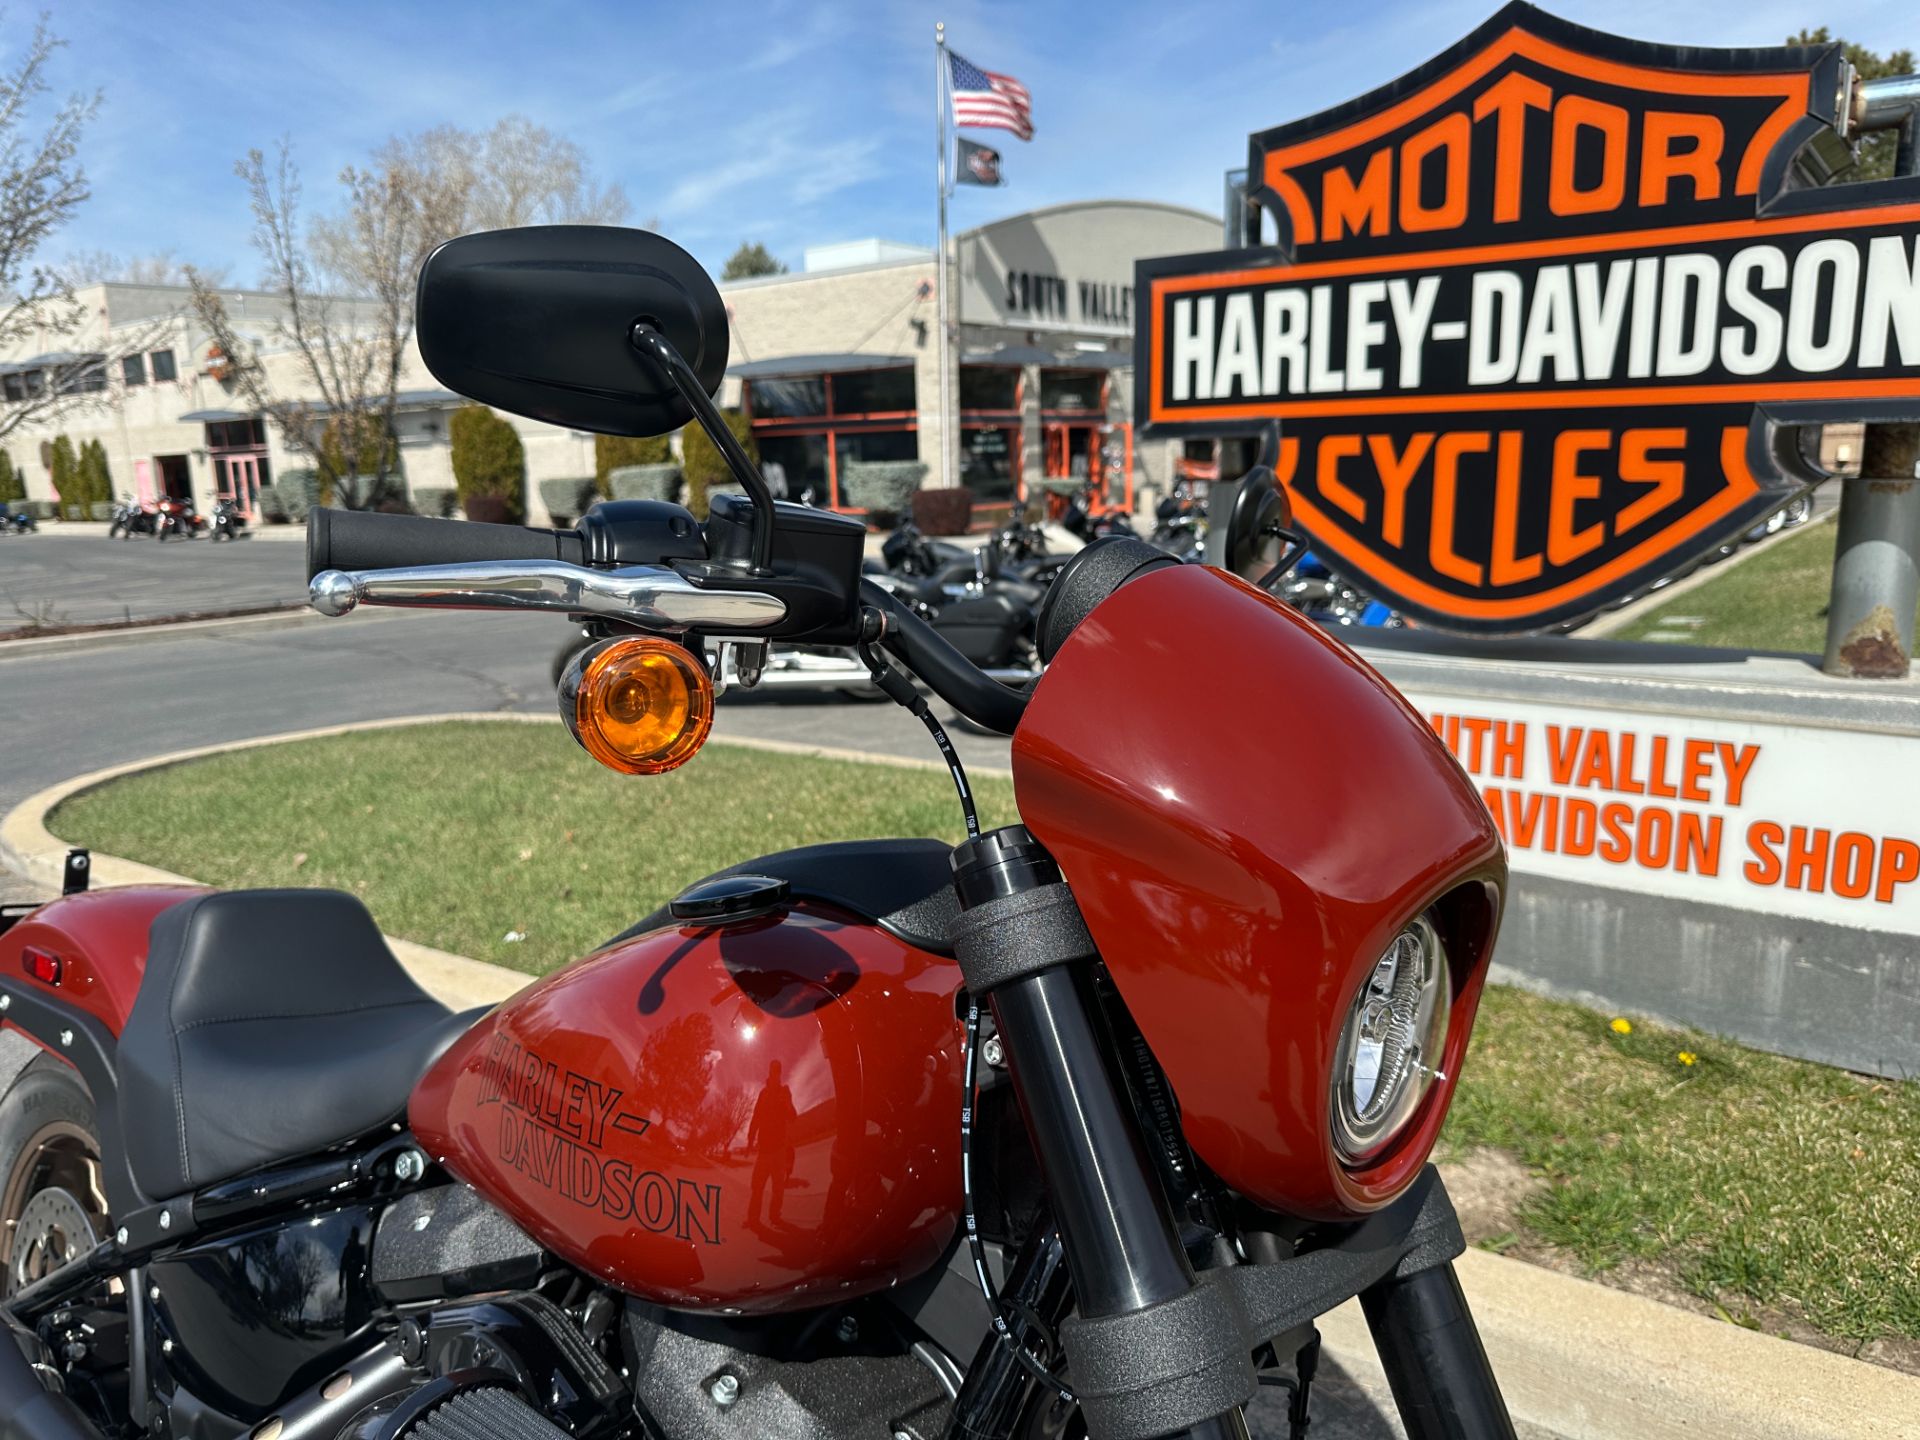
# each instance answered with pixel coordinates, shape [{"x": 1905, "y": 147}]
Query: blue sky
[{"x": 787, "y": 123}]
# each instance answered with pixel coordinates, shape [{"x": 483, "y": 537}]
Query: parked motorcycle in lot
[
  {"x": 176, "y": 516},
  {"x": 1180, "y": 523},
  {"x": 1316, "y": 591},
  {"x": 1073, "y": 1129},
  {"x": 16, "y": 522},
  {"x": 131, "y": 518},
  {"x": 983, "y": 599},
  {"x": 227, "y": 522}
]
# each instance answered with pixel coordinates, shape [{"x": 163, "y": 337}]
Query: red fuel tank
[{"x": 747, "y": 1118}]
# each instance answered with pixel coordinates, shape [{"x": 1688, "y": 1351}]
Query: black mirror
[
  {"x": 540, "y": 322},
  {"x": 1261, "y": 543}
]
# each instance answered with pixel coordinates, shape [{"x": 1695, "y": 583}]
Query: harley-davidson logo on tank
[{"x": 1545, "y": 313}]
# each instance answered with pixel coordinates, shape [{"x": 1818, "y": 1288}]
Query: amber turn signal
[{"x": 640, "y": 706}]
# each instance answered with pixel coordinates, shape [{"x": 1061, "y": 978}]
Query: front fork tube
[
  {"x": 1431, "y": 1351},
  {"x": 1122, "y": 1250}
]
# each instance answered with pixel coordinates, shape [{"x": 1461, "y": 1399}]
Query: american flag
[{"x": 989, "y": 101}]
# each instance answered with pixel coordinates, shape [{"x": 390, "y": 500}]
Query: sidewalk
[{"x": 97, "y": 530}]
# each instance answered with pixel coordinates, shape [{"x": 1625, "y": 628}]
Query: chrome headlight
[{"x": 1390, "y": 1047}]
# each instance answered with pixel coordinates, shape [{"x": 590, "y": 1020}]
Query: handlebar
[
  {"x": 950, "y": 675},
  {"x": 366, "y": 540},
  {"x": 355, "y": 557}
]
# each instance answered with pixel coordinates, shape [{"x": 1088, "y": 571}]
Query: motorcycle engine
[{"x": 480, "y": 1411}]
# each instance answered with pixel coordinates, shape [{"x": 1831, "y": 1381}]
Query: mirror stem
[{"x": 673, "y": 365}]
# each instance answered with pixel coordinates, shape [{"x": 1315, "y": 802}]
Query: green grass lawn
[
  {"x": 458, "y": 834},
  {"x": 1776, "y": 600},
  {"x": 1750, "y": 1180}
]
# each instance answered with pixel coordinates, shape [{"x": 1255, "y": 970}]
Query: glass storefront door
[{"x": 238, "y": 478}]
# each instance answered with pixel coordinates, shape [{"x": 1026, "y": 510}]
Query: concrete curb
[
  {"x": 1574, "y": 1357},
  {"x": 158, "y": 630},
  {"x": 1589, "y": 1362}
]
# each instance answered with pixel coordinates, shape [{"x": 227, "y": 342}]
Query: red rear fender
[{"x": 97, "y": 942}]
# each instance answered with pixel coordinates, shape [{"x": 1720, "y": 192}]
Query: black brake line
[
  {"x": 900, "y": 689},
  {"x": 976, "y": 1246}
]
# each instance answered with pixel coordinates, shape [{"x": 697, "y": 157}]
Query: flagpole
[{"x": 940, "y": 269}]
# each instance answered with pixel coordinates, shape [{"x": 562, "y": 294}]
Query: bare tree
[
  {"x": 42, "y": 186},
  {"x": 346, "y": 283},
  {"x": 517, "y": 173},
  {"x": 163, "y": 267},
  {"x": 346, "y": 294}
]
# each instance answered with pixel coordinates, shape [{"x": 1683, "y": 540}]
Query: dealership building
[
  {"x": 836, "y": 362},
  {"x": 839, "y": 362}
]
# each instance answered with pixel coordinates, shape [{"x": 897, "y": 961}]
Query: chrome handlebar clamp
[{"x": 650, "y": 596}]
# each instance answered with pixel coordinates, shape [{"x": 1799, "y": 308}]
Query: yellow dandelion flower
[
  {"x": 1687, "y": 1057},
  {"x": 1621, "y": 1025}
]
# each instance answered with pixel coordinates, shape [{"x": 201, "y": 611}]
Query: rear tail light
[{"x": 42, "y": 965}]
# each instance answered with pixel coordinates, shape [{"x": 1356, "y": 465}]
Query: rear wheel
[{"x": 52, "y": 1210}]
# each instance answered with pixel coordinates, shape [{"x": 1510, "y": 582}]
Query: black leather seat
[
  {"x": 903, "y": 886},
  {"x": 269, "y": 1024}
]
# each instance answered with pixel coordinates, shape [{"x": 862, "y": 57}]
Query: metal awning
[
  {"x": 55, "y": 360},
  {"x": 213, "y": 417},
  {"x": 1012, "y": 355},
  {"x": 1102, "y": 360},
  {"x": 816, "y": 365},
  {"x": 409, "y": 400}
]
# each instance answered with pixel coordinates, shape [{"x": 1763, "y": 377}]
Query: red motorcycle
[{"x": 1073, "y": 1129}]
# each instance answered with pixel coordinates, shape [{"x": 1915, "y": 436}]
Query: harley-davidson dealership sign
[{"x": 1545, "y": 313}]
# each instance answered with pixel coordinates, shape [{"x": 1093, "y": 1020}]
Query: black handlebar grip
[
  {"x": 364, "y": 540},
  {"x": 1090, "y": 577}
]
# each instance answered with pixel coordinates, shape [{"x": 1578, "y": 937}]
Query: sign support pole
[
  {"x": 941, "y": 287},
  {"x": 1876, "y": 563}
]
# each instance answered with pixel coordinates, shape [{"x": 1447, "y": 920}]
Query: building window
[
  {"x": 133, "y": 369},
  {"x": 162, "y": 365},
  {"x": 874, "y": 392},
  {"x": 811, "y": 425},
  {"x": 1073, "y": 390},
  {"x": 988, "y": 461},
  {"x": 802, "y": 462},
  {"x": 876, "y": 445},
  {"x": 14, "y": 386},
  {"x": 236, "y": 434},
  {"x": 989, "y": 387},
  {"x": 84, "y": 375},
  {"x": 789, "y": 398}
]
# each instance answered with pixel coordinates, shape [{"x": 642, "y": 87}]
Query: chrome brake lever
[{"x": 651, "y": 596}]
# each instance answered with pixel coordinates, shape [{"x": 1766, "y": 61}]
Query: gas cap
[{"x": 729, "y": 898}]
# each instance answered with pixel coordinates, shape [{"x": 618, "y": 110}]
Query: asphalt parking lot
[{"x": 50, "y": 579}]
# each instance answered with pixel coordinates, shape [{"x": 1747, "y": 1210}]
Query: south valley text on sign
[{"x": 1793, "y": 820}]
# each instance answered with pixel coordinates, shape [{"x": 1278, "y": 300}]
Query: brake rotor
[{"x": 53, "y": 1229}]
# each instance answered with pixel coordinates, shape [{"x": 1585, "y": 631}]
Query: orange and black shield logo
[{"x": 1547, "y": 315}]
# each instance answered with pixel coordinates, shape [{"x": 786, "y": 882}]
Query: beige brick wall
[{"x": 136, "y": 423}]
